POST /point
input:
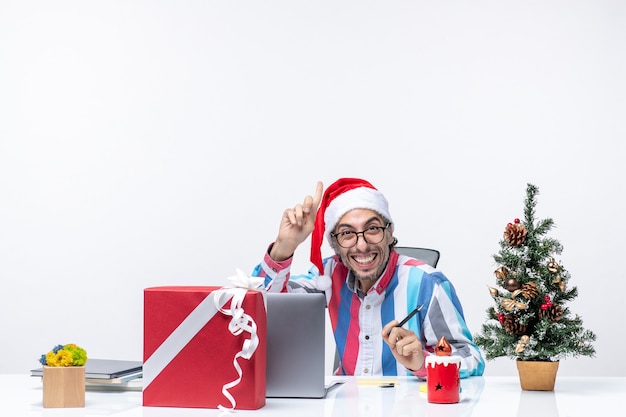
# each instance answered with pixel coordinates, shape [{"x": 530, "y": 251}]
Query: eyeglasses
[{"x": 371, "y": 235}]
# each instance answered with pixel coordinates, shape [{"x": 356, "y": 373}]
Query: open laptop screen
[{"x": 296, "y": 345}]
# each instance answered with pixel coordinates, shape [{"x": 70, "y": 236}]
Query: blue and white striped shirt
[{"x": 357, "y": 319}]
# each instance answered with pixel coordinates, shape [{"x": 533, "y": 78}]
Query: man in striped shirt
[{"x": 368, "y": 284}]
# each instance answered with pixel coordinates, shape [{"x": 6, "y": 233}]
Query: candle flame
[{"x": 443, "y": 348}]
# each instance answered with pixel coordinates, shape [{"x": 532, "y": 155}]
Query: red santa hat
[{"x": 343, "y": 195}]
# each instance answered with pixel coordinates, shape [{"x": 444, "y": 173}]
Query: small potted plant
[
  {"x": 530, "y": 321},
  {"x": 64, "y": 376}
]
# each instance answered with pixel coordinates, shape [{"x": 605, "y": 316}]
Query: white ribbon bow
[
  {"x": 240, "y": 322},
  {"x": 241, "y": 280}
]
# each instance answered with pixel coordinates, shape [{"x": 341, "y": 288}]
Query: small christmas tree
[{"x": 530, "y": 321}]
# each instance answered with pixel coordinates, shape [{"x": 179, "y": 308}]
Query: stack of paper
[{"x": 109, "y": 374}]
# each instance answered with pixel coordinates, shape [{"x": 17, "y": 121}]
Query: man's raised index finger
[{"x": 317, "y": 197}]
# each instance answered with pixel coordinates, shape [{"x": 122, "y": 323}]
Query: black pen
[{"x": 411, "y": 314}]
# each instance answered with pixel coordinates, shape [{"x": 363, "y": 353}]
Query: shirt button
[
  {"x": 367, "y": 307},
  {"x": 365, "y": 370},
  {"x": 367, "y": 337}
]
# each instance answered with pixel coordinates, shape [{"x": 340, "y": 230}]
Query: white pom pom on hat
[
  {"x": 324, "y": 282},
  {"x": 343, "y": 195}
]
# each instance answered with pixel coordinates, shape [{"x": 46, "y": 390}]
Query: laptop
[{"x": 296, "y": 327}]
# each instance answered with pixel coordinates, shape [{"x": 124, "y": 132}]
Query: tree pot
[
  {"x": 63, "y": 386},
  {"x": 537, "y": 375}
]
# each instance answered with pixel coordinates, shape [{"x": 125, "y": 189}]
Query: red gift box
[{"x": 190, "y": 354}]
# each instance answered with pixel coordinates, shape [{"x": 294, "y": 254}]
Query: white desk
[{"x": 21, "y": 395}]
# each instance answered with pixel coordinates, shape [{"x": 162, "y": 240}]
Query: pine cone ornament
[
  {"x": 554, "y": 313},
  {"x": 529, "y": 290},
  {"x": 513, "y": 326},
  {"x": 515, "y": 234}
]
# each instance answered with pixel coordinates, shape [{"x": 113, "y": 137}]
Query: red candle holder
[{"x": 443, "y": 379}]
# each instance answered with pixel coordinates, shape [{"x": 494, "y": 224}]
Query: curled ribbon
[{"x": 240, "y": 322}]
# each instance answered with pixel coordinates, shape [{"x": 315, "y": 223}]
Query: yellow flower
[{"x": 61, "y": 358}]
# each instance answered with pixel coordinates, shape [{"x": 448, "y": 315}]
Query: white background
[{"x": 147, "y": 143}]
